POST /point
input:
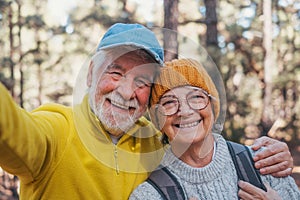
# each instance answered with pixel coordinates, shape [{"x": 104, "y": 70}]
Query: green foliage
[
  {"x": 244, "y": 75},
  {"x": 41, "y": 55},
  {"x": 37, "y": 48}
]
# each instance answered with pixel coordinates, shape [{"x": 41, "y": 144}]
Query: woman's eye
[
  {"x": 197, "y": 97},
  {"x": 169, "y": 102}
]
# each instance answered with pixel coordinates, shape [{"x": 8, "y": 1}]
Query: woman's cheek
[{"x": 169, "y": 131}]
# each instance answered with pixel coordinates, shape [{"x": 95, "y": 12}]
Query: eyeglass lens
[{"x": 196, "y": 99}]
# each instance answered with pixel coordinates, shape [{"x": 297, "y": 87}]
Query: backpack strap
[
  {"x": 166, "y": 184},
  {"x": 244, "y": 164}
]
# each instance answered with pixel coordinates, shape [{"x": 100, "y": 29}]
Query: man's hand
[
  {"x": 275, "y": 159},
  {"x": 250, "y": 192}
]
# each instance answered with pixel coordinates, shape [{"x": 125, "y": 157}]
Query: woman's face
[{"x": 194, "y": 117}]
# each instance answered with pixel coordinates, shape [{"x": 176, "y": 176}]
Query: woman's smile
[{"x": 187, "y": 124}]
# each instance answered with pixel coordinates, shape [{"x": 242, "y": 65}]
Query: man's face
[{"x": 119, "y": 94}]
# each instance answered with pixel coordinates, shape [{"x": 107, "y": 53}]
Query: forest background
[{"x": 255, "y": 45}]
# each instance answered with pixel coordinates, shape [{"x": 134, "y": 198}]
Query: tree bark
[
  {"x": 268, "y": 64},
  {"x": 11, "y": 46},
  {"x": 171, "y": 14},
  {"x": 20, "y": 55},
  {"x": 211, "y": 22}
]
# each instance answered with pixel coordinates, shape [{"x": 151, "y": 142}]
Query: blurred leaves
[
  {"x": 39, "y": 44},
  {"x": 46, "y": 53}
]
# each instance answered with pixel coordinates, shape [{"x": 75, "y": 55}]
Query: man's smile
[{"x": 122, "y": 105}]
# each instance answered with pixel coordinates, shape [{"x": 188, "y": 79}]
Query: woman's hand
[
  {"x": 275, "y": 159},
  {"x": 250, "y": 192}
]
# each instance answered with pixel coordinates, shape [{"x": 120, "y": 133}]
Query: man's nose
[{"x": 126, "y": 88}]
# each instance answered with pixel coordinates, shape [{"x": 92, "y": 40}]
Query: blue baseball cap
[{"x": 137, "y": 35}]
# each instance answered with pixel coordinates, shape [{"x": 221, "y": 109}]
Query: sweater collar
[{"x": 200, "y": 175}]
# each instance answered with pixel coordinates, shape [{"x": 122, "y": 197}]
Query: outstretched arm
[
  {"x": 275, "y": 159},
  {"x": 28, "y": 139}
]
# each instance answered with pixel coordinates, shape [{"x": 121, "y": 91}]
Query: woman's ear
[{"x": 90, "y": 74}]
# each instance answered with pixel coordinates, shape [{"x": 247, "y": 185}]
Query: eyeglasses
[{"x": 196, "y": 99}]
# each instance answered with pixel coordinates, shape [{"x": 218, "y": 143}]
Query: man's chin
[{"x": 117, "y": 124}]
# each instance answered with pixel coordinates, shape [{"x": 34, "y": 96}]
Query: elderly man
[{"x": 103, "y": 147}]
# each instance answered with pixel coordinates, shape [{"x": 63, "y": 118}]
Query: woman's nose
[{"x": 184, "y": 108}]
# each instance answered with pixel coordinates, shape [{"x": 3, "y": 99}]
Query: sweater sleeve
[
  {"x": 26, "y": 138},
  {"x": 145, "y": 191},
  {"x": 286, "y": 187}
]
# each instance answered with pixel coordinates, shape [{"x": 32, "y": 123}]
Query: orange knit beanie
[{"x": 183, "y": 72}]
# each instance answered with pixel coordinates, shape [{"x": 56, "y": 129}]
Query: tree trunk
[
  {"x": 211, "y": 22},
  {"x": 11, "y": 46},
  {"x": 171, "y": 25},
  {"x": 268, "y": 64},
  {"x": 20, "y": 56}
]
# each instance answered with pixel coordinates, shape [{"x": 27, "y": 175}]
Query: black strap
[
  {"x": 169, "y": 188},
  {"x": 244, "y": 164},
  {"x": 166, "y": 184}
]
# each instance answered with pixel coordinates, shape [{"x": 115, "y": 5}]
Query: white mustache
[{"x": 117, "y": 100}]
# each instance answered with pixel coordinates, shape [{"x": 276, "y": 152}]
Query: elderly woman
[{"x": 184, "y": 105}]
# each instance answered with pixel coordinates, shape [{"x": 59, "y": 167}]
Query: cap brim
[{"x": 138, "y": 46}]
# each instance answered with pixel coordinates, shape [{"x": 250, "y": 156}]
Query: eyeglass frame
[{"x": 209, "y": 97}]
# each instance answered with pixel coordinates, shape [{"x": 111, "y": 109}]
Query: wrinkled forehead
[
  {"x": 126, "y": 59},
  {"x": 131, "y": 64}
]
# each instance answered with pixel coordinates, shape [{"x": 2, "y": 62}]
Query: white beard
[{"x": 114, "y": 122}]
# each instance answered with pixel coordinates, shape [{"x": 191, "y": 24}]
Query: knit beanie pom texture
[{"x": 181, "y": 72}]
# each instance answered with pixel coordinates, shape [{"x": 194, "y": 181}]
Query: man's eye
[
  {"x": 142, "y": 83},
  {"x": 115, "y": 75}
]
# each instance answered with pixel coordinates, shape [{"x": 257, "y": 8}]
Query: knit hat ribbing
[{"x": 183, "y": 72}]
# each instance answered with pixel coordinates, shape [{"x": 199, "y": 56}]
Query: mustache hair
[
  {"x": 118, "y": 100},
  {"x": 116, "y": 122}
]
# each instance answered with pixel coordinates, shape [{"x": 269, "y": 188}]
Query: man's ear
[{"x": 90, "y": 74}]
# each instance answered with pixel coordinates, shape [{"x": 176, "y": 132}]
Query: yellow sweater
[{"x": 60, "y": 152}]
